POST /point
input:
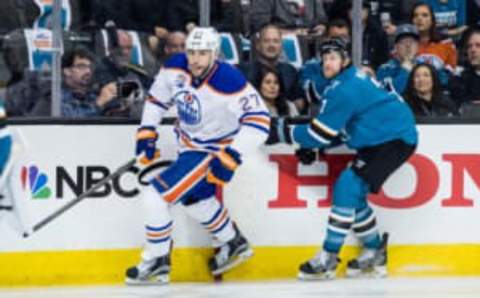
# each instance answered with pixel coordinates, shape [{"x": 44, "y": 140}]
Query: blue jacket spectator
[
  {"x": 79, "y": 98},
  {"x": 394, "y": 74},
  {"x": 79, "y": 105}
]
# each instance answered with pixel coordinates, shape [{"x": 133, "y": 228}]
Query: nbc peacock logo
[{"x": 36, "y": 181}]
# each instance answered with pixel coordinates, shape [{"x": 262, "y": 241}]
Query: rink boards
[{"x": 429, "y": 207}]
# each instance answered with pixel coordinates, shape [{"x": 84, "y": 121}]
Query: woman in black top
[
  {"x": 424, "y": 93},
  {"x": 270, "y": 86}
]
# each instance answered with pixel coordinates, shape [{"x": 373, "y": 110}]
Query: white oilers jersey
[{"x": 211, "y": 112}]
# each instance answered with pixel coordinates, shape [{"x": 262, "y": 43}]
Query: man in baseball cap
[
  {"x": 394, "y": 74},
  {"x": 406, "y": 30}
]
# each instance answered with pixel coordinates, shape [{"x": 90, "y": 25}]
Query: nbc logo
[{"x": 36, "y": 181}]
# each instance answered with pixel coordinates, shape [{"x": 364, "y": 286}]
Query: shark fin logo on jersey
[{"x": 189, "y": 109}]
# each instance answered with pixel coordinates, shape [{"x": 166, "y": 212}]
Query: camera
[{"x": 126, "y": 88}]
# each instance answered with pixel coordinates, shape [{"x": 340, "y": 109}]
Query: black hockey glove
[
  {"x": 340, "y": 139},
  {"x": 279, "y": 132},
  {"x": 306, "y": 156},
  {"x": 281, "y": 129}
]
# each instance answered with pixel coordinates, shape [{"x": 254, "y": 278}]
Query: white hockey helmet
[{"x": 203, "y": 38}]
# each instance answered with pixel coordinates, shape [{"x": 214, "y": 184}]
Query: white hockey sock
[
  {"x": 158, "y": 224},
  {"x": 214, "y": 217}
]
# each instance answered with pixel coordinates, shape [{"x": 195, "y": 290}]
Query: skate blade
[
  {"x": 157, "y": 281},
  {"x": 242, "y": 257},
  {"x": 329, "y": 275},
  {"x": 376, "y": 272}
]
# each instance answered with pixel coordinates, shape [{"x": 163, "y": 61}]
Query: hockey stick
[
  {"x": 118, "y": 172},
  {"x": 78, "y": 199},
  {"x": 146, "y": 171}
]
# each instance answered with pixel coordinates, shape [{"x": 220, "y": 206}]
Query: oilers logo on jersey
[{"x": 189, "y": 108}]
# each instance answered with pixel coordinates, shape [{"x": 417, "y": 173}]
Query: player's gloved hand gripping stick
[{"x": 223, "y": 166}]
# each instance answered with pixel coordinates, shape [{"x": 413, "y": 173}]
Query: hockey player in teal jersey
[
  {"x": 5, "y": 151},
  {"x": 358, "y": 112},
  {"x": 13, "y": 208}
]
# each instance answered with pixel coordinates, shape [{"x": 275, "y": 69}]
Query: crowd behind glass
[{"x": 428, "y": 51}]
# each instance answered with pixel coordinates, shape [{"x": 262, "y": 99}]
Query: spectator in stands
[
  {"x": 182, "y": 14},
  {"x": 128, "y": 54},
  {"x": 375, "y": 41},
  {"x": 269, "y": 85},
  {"x": 148, "y": 16},
  {"x": 136, "y": 54},
  {"x": 392, "y": 13},
  {"x": 119, "y": 64},
  {"x": 175, "y": 43},
  {"x": 440, "y": 53},
  {"x": 473, "y": 13},
  {"x": 300, "y": 17},
  {"x": 339, "y": 28},
  {"x": 394, "y": 74},
  {"x": 424, "y": 93},
  {"x": 22, "y": 95},
  {"x": 172, "y": 44},
  {"x": 79, "y": 99},
  {"x": 110, "y": 10},
  {"x": 450, "y": 16},
  {"x": 268, "y": 46},
  {"x": 225, "y": 15},
  {"x": 387, "y": 12},
  {"x": 125, "y": 45},
  {"x": 465, "y": 87},
  {"x": 17, "y": 14}
]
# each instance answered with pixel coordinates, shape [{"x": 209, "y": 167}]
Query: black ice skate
[
  {"x": 321, "y": 267},
  {"x": 152, "y": 272},
  {"x": 371, "y": 263},
  {"x": 230, "y": 254}
]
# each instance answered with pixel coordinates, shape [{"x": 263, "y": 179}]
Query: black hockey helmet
[{"x": 334, "y": 44}]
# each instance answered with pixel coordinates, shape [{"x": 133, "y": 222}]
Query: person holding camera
[{"x": 80, "y": 98}]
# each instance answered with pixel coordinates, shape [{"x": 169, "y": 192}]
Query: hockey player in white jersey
[{"x": 221, "y": 117}]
